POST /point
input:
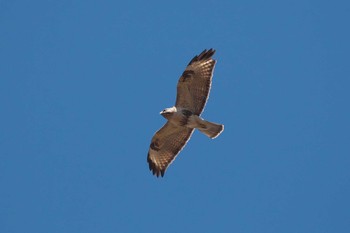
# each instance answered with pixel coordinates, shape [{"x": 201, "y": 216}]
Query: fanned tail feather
[{"x": 210, "y": 129}]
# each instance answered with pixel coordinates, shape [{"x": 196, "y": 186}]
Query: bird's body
[
  {"x": 177, "y": 116},
  {"x": 192, "y": 94},
  {"x": 182, "y": 117}
]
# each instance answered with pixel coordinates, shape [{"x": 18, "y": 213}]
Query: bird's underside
[{"x": 192, "y": 94}]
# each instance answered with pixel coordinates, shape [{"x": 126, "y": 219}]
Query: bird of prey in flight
[{"x": 193, "y": 90}]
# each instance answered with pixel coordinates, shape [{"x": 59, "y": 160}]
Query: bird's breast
[{"x": 181, "y": 117}]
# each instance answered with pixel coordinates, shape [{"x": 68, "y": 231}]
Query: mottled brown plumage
[
  {"x": 170, "y": 140},
  {"x": 192, "y": 94},
  {"x": 194, "y": 85}
]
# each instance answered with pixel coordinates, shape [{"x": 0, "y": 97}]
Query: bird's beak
[{"x": 161, "y": 113}]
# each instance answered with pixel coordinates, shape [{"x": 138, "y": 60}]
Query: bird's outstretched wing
[
  {"x": 165, "y": 146},
  {"x": 194, "y": 84}
]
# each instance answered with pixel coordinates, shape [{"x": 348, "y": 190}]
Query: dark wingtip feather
[
  {"x": 205, "y": 55},
  {"x": 154, "y": 169}
]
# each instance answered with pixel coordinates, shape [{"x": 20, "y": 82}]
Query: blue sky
[{"x": 81, "y": 87}]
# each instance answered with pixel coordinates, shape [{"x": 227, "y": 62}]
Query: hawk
[{"x": 192, "y": 94}]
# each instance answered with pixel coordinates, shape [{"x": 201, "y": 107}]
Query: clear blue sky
[{"x": 81, "y": 87}]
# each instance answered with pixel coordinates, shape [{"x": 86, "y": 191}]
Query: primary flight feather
[{"x": 192, "y": 94}]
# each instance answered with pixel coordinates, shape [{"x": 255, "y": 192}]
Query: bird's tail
[{"x": 210, "y": 129}]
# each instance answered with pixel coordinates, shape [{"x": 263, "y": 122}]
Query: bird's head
[{"x": 166, "y": 113}]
